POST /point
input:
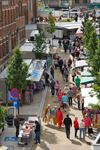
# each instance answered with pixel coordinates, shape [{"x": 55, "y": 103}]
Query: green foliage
[
  {"x": 51, "y": 24},
  {"x": 92, "y": 46},
  {"x": 97, "y": 84},
  {"x": 17, "y": 71},
  {"x": 95, "y": 106},
  {"x": 39, "y": 45},
  {"x": 3, "y": 112},
  {"x": 93, "y": 50},
  {"x": 88, "y": 28}
]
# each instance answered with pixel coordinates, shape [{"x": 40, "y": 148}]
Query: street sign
[{"x": 14, "y": 93}]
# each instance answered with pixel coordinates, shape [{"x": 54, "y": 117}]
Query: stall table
[{"x": 25, "y": 134}]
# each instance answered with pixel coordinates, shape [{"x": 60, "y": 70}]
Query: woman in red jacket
[{"x": 76, "y": 126}]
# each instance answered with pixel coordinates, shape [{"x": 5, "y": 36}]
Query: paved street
[
  {"x": 54, "y": 138},
  {"x": 51, "y": 138}
]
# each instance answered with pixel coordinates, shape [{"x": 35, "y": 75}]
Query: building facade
[
  {"x": 31, "y": 12},
  {"x": 65, "y": 3},
  {"x": 79, "y": 2},
  {"x": 12, "y": 27}
]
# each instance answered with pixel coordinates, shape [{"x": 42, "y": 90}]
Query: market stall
[
  {"x": 80, "y": 64},
  {"x": 87, "y": 80},
  {"x": 90, "y": 97},
  {"x": 34, "y": 80},
  {"x": 27, "y": 130},
  {"x": 86, "y": 73}
]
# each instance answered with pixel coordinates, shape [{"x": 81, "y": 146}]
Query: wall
[{"x": 12, "y": 28}]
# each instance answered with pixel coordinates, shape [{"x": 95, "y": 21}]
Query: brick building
[
  {"x": 32, "y": 10},
  {"x": 80, "y": 2},
  {"x": 60, "y": 3},
  {"x": 12, "y": 27}
]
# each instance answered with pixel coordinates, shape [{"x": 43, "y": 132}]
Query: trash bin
[{"x": 9, "y": 120}]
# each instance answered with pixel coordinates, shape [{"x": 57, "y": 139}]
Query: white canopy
[
  {"x": 36, "y": 70},
  {"x": 68, "y": 25},
  {"x": 27, "y": 47},
  {"x": 89, "y": 96},
  {"x": 80, "y": 63},
  {"x": 36, "y": 75},
  {"x": 34, "y": 32}
]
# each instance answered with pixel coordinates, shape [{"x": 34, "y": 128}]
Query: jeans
[
  {"x": 17, "y": 131},
  {"x": 37, "y": 137},
  {"x": 70, "y": 101},
  {"x": 82, "y": 133},
  {"x": 76, "y": 132}
]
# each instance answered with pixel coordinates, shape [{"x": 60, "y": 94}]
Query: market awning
[
  {"x": 86, "y": 74},
  {"x": 68, "y": 25},
  {"x": 90, "y": 100},
  {"x": 34, "y": 32},
  {"x": 36, "y": 75},
  {"x": 89, "y": 96},
  {"x": 72, "y": 27},
  {"x": 87, "y": 80},
  {"x": 80, "y": 64}
]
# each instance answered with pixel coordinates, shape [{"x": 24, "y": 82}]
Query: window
[
  {"x": 77, "y": 1},
  {"x": 85, "y": 1}
]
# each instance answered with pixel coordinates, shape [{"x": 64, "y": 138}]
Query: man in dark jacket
[
  {"x": 17, "y": 124},
  {"x": 37, "y": 132},
  {"x": 68, "y": 124},
  {"x": 52, "y": 86}
]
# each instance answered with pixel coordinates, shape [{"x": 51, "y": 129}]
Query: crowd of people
[{"x": 70, "y": 95}]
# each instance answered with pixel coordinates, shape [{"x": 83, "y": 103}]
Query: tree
[
  {"x": 92, "y": 46},
  {"x": 39, "y": 45},
  {"x": 91, "y": 43},
  {"x": 2, "y": 117},
  {"x": 88, "y": 28},
  {"x": 51, "y": 25},
  {"x": 17, "y": 71}
]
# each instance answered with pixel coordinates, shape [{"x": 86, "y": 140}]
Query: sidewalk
[{"x": 34, "y": 109}]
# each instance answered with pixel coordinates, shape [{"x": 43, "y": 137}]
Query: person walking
[
  {"x": 52, "y": 86},
  {"x": 87, "y": 122},
  {"x": 70, "y": 96},
  {"x": 68, "y": 123},
  {"x": 37, "y": 132},
  {"x": 57, "y": 86},
  {"x": 17, "y": 125},
  {"x": 82, "y": 129},
  {"x": 59, "y": 117},
  {"x": 59, "y": 42},
  {"x": 47, "y": 114},
  {"x": 52, "y": 72},
  {"x": 76, "y": 126},
  {"x": 65, "y": 101},
  {"x": 53, "y": 113},
  {"x": 60, "y": 94},
  {"x": 82, "y": 103},
  {"x": 77, "y": 81}
]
